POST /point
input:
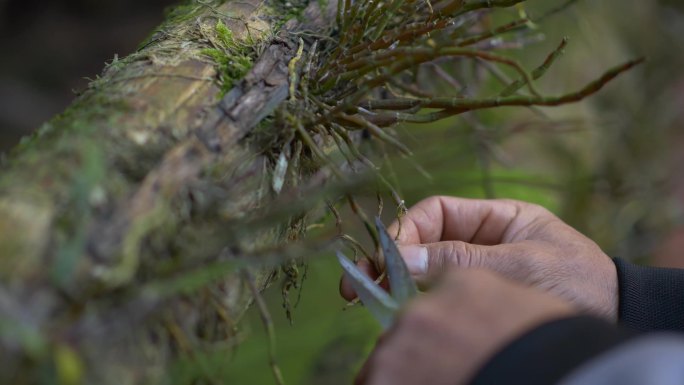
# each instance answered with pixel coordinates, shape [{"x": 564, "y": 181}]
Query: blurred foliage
[{"x": 323, "y": 346}]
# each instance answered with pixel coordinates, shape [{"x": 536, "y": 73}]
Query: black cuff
[
  {"x": 651, "y": 298},
  {"x": 548, "y": 353}
]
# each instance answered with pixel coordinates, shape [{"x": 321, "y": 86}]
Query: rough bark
[{"x": 134, "y": 184}]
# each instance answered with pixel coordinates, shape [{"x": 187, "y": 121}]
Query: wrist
[{"x": 611, "y": 290}]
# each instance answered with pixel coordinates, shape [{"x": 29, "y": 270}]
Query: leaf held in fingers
[
  {"x": 377, "y": 301},
  {"x": 402, "y": 286}
]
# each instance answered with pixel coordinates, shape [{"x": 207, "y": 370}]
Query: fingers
[
  {"x": 427, "y": 261},
  {"x": 444, "y": 336},
  {"x": 448, "y": 231},
  {"x": 484, "y": 222}
]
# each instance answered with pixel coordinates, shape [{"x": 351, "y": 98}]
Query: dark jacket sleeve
[
  {"x": 651, "y": 359},
  {"x": 548, "y": 353},
  {"x": 651, "y": 298}
]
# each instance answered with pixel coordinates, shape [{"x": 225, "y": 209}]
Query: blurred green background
[{"x": 610, "y": 166}]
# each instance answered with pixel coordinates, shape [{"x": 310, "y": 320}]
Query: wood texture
[{"x": 134, "y": 185}]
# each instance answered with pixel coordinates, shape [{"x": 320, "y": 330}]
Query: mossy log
[{"x": 134, "y": 185}]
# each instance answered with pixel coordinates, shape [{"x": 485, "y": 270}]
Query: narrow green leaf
[
  {"x": 377, "y": 301},
  {"x": 402, "y": 286}
]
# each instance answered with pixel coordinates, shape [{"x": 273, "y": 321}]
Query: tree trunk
[{"x": 105, "y": 210}]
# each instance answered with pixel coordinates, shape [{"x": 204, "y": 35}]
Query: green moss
[
  {"x": 233, "y": 59},
  {"x": 173, "y": 15},
  {"x": 232, "y": 67},
  {"x": 179, "y": 14},
  {"x": 225, "y": 35},
  {"x": 187, "y": 10}
]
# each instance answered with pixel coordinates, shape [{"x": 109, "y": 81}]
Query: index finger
[{"x": 478, "y": 221}]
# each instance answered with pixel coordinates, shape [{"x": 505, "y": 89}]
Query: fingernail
[{"x": 416, "y": 258}]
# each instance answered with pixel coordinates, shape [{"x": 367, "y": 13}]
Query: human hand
[
  {"x": 447, "y": 335},
  {"x": 521, "y": 241}
]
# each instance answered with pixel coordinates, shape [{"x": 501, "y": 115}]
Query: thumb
[{"x": 424, "y": 261}]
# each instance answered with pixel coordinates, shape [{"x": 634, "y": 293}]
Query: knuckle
[
  {"x": 459, "y": 254},
  {"x": 516, "y": 204},
  {"x": 433, "y": 201},
  {"x": 423, "y": 216},
  {"x": 528, "y": 208},
  {"x": 512, "y": 202},
  {"x": 539, "y": 211},
  {"x": 421, "y": 213}
]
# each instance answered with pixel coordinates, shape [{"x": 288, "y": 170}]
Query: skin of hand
[
  {"x": 521, "y": 241},
  {"x": 447, "y": 335}
]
